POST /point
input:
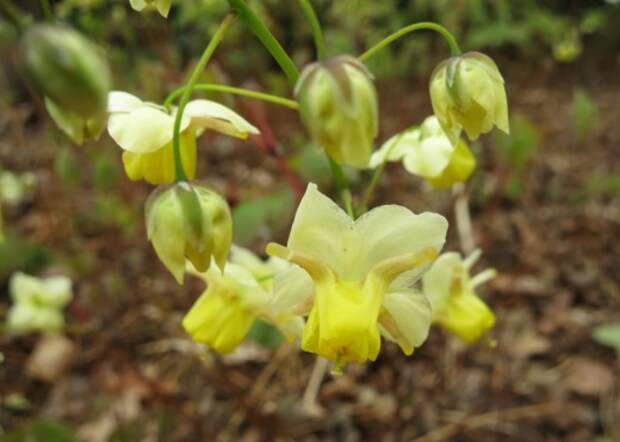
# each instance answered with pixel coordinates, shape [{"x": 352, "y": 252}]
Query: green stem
[
  {"x": 291, "y": 104},
  {"x": 13, "y": 14},
  {"x": 342, "y": 186},
  {"x": 315, "y": 26},
  {"x": 202, "y": 63},
  {"x": 378, "y": 172},
  {"x": 47, "y": 10},
  {"x": 267, "y": 39},
  {"x": 454, "y": 46}
]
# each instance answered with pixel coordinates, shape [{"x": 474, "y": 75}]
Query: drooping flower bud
[
  {"x": 162, "y": 6},
  {"x": 338, "y": 105},
  {"x": 72, "y": 75},
  {"x": 188, "y": 221},
  {"x": 467, "y": 92}
]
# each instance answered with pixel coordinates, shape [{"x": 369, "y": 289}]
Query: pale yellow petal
[
  {"x": 406, "y": 318},
  {"x": 208, "y": 114}
]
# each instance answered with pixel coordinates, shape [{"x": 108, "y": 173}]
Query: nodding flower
[
  {"x": 364, "y": 271},
  {"x": 468, "y": 93},
  {"x": 144, "y": 131},
  {"x": 451, "y": 292}
]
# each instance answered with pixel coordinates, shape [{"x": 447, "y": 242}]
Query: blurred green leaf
[
  {"x": 608, "y": 334},
  {"x": 44, "y": 430},
  {"x": 257, "y": 217},
  {"x": 19, "y": 254},
  {"x": 312, "y": 166},
  {"x": 584, "y": 111},
  {"x": 66, "y": 168},
  {"x": 518, "y": 147},
  {"x": 265, "y": 334}
]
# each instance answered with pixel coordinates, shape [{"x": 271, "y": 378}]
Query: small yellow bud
[
  {"x": 72, "y": 75},
  {"x": 338, "y": 105},
  {"x": 188, "y": 221},
  {"x": 467, "y": 92}
]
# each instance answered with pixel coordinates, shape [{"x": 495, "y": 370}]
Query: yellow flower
[
  {"x": 467, "y": 92},
  {"x": 38, "y": 303},
  {"x": 188, "y": 221},
  {"x": 162, "y": 6},
  {"x": 144, "y": 131},
  {"x": 338, "y": 105},
  {"x": 450, "y": 290},
  {"x": 235, "y": 298},
  {"x": 353, "y": 265},
  {"x": 427, "y": 152}
]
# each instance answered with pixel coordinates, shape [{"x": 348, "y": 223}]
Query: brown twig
[{"x": 488, "y": 419}]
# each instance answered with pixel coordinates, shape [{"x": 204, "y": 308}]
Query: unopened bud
[
  {"x": 72, "y": 75},
  {"x": 188, "y": 221},
  {"x": 467, "y": 92},
  {"x": 338, "y": 105}
]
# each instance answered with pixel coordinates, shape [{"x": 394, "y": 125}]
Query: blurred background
[{"x": 545, "y": 204}]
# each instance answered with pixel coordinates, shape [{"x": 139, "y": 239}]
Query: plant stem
[
  {"x": 343, "y": 187},
  {"x": 47, "y": 10},
  {"x": 202, "y": 63},
  {"x": 267, "y": 39},
  {"x": 378, "y": 172},
  {"x": 463, "y": 219},
  {"x": 291, "y": 104},
  {"x": 454, "y": 46},
  {"x": 315, "y": 26}
]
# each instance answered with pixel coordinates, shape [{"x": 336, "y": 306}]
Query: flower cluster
[{"x": 344, "y": 279}]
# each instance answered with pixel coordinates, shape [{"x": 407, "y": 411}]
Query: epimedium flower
[
  {"x": 451, "y": 292},
  {"x": 426, "y": 151},
  {"x": 73, "y": 76},
  {"x": 144, "y": 131},
  {"x": 338, "y": 104},
  {"x": 188, "y": 221},
  {"x": 235, "y": 297},
  {"x": 467, "y": 92},
  {"x": 38, "y": 303},
  {"x": 363, "y": 271},
  {"x": 162, "y": 6}
]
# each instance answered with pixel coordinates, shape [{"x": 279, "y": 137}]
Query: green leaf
[
  {"x": 19, "y": 254},
  {"x": 518, "y": 147},
  {"x": 44, "y": 430},
  {"x": 265, "y": 334},
  {"x": 608, "y": 334},
  {"x": 255, "y": 218},
  {"x": 584, "y": 111}
]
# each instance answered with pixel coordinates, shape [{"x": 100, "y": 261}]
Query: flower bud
[
  {"x": 188, "y": 221},
  {"x": 338, "y": 105},
  {"x": 72, "y": 75},
  {"x": 467, "y": 92},
  {"x": 162, "y": 6}
]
